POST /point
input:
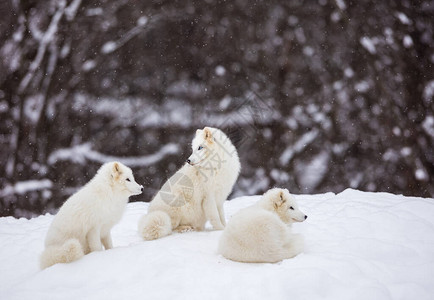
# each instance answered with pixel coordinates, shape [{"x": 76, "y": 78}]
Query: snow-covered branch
[
  {"x": 82, "y": 153},
  {"x": 24, "y": 187},
  {"x": 46, "y": 39},
  {"x": 72, "y": 9},
  {"x": 305, "y": 140},
  {"x": 111, "y": 46}
]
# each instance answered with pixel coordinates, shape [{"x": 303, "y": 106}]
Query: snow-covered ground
[{"x": 358, "y": 246}]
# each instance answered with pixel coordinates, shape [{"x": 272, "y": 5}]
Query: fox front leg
[
  {"x": 212, "y": 213},
  {"x": 107, "y": 241},
  {"x": 221, "y": 213},
  {"x": 94, "y": 239}
]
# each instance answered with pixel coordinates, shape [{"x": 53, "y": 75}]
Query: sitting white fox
[{"x": 83, "y": 223}]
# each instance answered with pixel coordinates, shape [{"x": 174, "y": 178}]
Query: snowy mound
[{"x": 358, "y": 246}]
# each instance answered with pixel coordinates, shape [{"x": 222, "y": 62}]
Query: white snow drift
[{"x": 357, "y": 246}]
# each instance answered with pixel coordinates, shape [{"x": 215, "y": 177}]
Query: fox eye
[
  {"x": 291, "y": 207},
  {"x": 200, "y": 148},
  {"x": 128, "y": 179}
]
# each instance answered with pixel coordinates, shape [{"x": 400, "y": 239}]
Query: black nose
[
  {"x": 141, "y": 189},
  {"x": 305, "y": 217},
  {"x": 188, "y": 161}
]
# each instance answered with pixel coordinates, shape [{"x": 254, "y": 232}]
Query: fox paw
[{"x": 184, "y": 228}]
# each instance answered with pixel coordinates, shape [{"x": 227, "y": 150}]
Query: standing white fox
[
  {"x": 197, "y": 191},
  {"x": 83, "y": 223}
]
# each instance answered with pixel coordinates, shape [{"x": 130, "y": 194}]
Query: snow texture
[{"x": 358, "y": 246}]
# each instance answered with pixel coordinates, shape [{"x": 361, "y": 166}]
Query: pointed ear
[
  {"x": 116, "y": 171},
  {"x": 208, "y": 134},
  {"x": 281, "y": 197},
  {"x": 198, "y": 131},
  {"x": 279, "y": 200}
]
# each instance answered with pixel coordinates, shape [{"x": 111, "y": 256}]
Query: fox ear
[
  {"x": 208, "y": 134},
  {"x": 279, "y": 200},
  {"x": 116, "y": 172},
  {"x": 281, "y": 197}
]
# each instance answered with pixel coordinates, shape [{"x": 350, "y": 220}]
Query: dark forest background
[{"x": 317, "y": 95}]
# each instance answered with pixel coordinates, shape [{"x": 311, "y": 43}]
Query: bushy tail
[
  {"x": 155, "y": 225},
  {"x": 70, "y": 251}
]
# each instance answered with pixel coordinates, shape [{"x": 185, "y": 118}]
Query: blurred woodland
[{"x": 318, "y": 96}]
